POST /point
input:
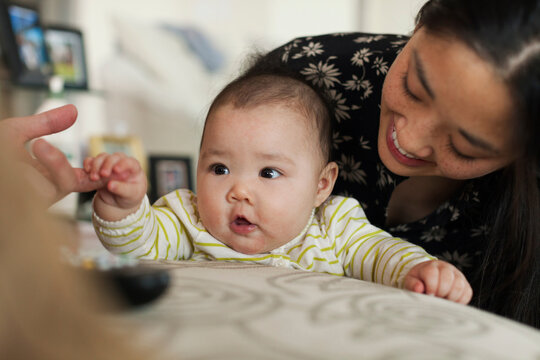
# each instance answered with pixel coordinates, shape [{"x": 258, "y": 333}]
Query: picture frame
[
  {"x": 23, "y": 44},
  {"x": 168, "y": 173},
  {"x": 65, "y": 47},
  {"x": 129, "y": 145}
]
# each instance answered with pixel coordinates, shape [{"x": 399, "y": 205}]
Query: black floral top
[{"x": 351, "y": 68}]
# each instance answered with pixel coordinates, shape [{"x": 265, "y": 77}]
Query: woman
[{"x": 453, "y": 162}]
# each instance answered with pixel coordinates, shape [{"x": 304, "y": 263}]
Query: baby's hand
[
  {"x": 125, "y": 185},
  {"x": 441, "y": 279}
]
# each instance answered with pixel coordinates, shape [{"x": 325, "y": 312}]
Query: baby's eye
[
  {"x": 220, "y": 169},
  {"x": 270, "y": 173}
]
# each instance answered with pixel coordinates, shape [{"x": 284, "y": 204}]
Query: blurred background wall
[{"x": 235, "y": 25}]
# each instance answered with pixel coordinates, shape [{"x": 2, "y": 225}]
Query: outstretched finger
[{"x": 49, "y": 122}]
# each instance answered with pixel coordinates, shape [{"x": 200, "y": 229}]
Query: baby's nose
[{"x": 239, "y": 192}]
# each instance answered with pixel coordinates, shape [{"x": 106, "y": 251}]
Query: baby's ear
[{"x": 327, "y": 179}]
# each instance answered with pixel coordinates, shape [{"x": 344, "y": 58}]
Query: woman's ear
[{"x": 327, "y": 179}]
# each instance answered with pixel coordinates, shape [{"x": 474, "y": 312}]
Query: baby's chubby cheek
[{"x": 204, "y": 215}]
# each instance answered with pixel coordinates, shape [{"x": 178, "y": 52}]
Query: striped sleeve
[
  {"x": 367, "y": 252},
  {"x": 149, "y": 233}
]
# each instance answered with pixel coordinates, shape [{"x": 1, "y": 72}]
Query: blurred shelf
[{"x": 17, "y": 100}]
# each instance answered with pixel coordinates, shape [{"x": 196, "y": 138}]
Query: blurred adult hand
[{"x": 50, "y": 171}]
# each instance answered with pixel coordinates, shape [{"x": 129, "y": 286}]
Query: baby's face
[{"x": 257, "y": 176}]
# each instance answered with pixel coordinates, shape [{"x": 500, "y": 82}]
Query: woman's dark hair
[
  {"x": 268, "y": 81},
  {"x": 506, "y": 33}
]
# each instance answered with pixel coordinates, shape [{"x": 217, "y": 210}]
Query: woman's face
[{"x": 444, "y": 112}]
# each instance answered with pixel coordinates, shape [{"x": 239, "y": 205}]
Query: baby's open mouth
[
  {"x": 242, "y": 226},
  {"x": 241, "y": 221}
]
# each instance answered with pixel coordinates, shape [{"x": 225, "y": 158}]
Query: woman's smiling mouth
[
  {"x": 400, "y": 149},
  {"x": 400, "y": 154}
]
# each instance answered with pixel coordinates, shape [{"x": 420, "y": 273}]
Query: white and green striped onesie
[{"x": 337, "y": 240}]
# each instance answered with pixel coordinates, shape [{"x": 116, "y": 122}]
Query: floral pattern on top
[{"x": 350, "y": 68}]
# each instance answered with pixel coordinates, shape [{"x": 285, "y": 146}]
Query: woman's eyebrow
[
  {"x": 476, "y": 141},
  {"x": 422, "y": 74}
]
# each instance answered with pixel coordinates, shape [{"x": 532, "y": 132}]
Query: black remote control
[
  {"x": 133, "y": 282},
  {"x": 129, "y": 287},
  {"x": 139, "y": 284}
]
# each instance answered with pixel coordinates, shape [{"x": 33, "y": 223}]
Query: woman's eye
[
  {"x": 270, "y": 173},
  {"x": 220, "y": 169},
  {"x": 406, "y": 89},
  {"x": 457, "y": 154}
]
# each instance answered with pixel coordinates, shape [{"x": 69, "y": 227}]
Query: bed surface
[{"x": 217, "y": 310}]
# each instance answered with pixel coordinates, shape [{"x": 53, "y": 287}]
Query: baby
[{"x": 264, "y": 179}]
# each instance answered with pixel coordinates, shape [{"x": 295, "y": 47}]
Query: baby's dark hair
[{"x": 267, "y": 81}]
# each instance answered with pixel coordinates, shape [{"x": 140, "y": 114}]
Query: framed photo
[
  {"x": 23, "y": 42},
  {"x": 65, "y": 47},
  {"x": 129, "y": 145},
  {"x": 168, "y": 173}
]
